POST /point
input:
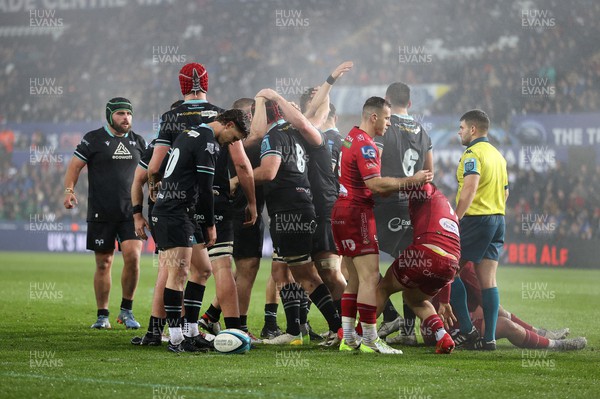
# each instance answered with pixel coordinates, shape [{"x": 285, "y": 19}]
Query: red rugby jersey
[{"x": 359, "y": 161}]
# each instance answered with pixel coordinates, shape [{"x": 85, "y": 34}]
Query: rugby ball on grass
[{"x": 232, "y": 340}]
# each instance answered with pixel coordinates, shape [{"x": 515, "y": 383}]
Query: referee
[{"x": 480, "y": 204}]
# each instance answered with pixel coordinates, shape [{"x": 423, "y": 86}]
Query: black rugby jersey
[
  {"x": 189, "y": 114},
  {"x": 144, "y": 161},
  {"x": 322, "y": 180},
  {"x": 334, "y": 142},
  {"x": 290, "y": 189},
  {"x": 111, "y": 163},
  {"x": 189, "y": 175},
  {"x": 404, "y": 147}
]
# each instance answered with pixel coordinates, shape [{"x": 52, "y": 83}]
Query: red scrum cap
[{"x": 193, "y": 77}]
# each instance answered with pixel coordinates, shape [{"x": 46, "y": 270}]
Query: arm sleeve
[
  {"x": 165, "y": 133},
  {"x": 83, "y": 150},
  {"x": 471, "y": 165},
  {"x": 270, "y": 146},
  {"x": 146, "y": 156}
]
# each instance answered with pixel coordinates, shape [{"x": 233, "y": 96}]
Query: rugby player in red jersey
[
  {"x": 429, "y": 264},
  {"x": 353, "y": 223}
]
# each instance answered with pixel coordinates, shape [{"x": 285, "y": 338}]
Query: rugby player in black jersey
[
  {"x": 111, "y": 154},
  {"x": 284, "y": 173},
  {"x": 193, "y": 80},
  {"x": 405, "y": 148},
  {"x": 158, "y": 319},
  {"x": 247, "y": 249},
  {"x": 186, "y": 190}
]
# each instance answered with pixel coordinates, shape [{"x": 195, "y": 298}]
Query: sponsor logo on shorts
[
  {"x": 99, "y": 241},
  {"x": 450, "y": 226}
]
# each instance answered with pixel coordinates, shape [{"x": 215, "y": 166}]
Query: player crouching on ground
[{"x": 429, "y": 264}]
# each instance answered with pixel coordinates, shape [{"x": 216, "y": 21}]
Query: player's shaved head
[
  {"x": 374, "y": 105},
  {"x": 398, "y": 94},
  {"x": 332, "y": 111},
  {"x": 242, "y": 103},
  {"x": 477, "y": 118}
]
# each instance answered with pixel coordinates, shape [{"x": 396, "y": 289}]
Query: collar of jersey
[
  {"x": 194, "y": 101},
  {"x": 278, "y": 123},
  {"x": 208, "y": 127},
  {"x": 478, "y": 140},
  {"x": 112, "y": 135},
  {"x": 404, "y": 116}
]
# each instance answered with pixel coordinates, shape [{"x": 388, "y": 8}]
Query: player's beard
[{"x": 123, "y": 128}]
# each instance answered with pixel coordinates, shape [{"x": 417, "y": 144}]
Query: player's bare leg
[
  {"x": 102, "y": 285},
  {"x": 226, "y": 291},
  {"x": 130, "y": 276},
  {"x": 329, "y": 268},
  {"x": 102, "y": 278}
]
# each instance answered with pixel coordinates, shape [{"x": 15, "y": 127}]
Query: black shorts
[
  {"x": 394, "y": 230},
  {"x": 323, "y": 238},
  {"x": 292, "y": 232},
  {"x": 101, "y": 236},
  {"x": 173, "y": 231},
  {"x": 151, "y": 224},
  {"x": 247, "y": 241}
]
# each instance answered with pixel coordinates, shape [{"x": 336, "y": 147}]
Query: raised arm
[
  {"x": 258, "y": 127},
  {"x": 291, "y": 114},
  {"x": 319, "y": 107}
]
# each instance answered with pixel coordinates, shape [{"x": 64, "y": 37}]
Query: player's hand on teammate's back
[
  {"x": 446, "y": 314},
  {"x": 422, "y": 177},
  {"x": 141, "y": 224},
  {"x": 251, "y": 216},
  {"x": 70, "y": 201},
  {"x": 212, "y": 236}
]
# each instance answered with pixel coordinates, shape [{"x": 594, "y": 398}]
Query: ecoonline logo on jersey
[{"x": 122, "y": 152}]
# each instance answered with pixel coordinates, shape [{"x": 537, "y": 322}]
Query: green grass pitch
[{"x": 48, "y": 350}]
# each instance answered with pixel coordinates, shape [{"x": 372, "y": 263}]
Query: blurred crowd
[
  {"x": 489, "y": 52},
  {"x": 508, "y": 58},
  {"x": 554, "y": 204}
]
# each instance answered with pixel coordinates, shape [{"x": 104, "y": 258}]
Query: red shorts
[
  {"x": 354, "y": 230},
  {"x": 420, "y": 267},
  {"x": 471, "y": 282}
]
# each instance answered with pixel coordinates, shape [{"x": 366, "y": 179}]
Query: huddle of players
[{"x": 296, "y": 169}]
